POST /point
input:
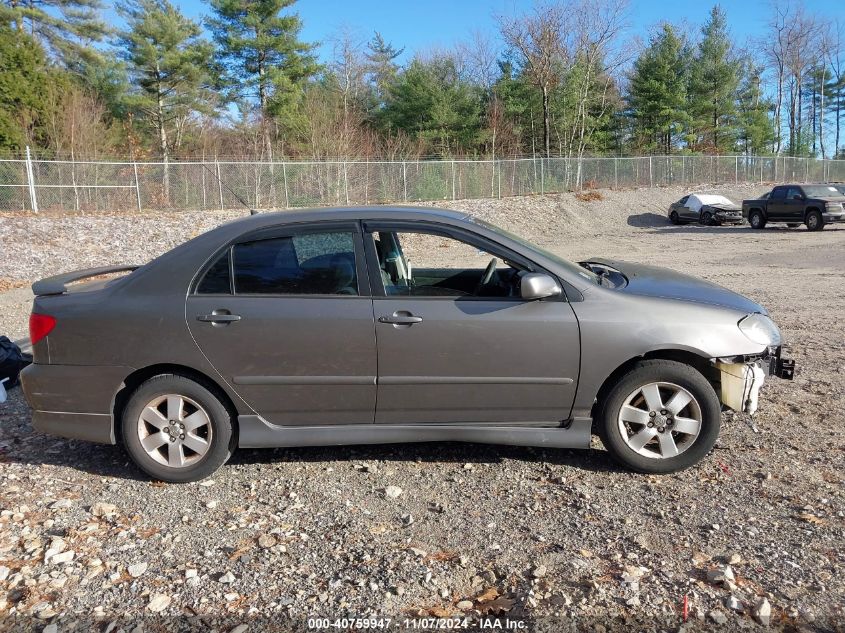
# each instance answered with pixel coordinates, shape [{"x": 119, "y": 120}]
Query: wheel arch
[
  {"x": 139, "y": 376},
  {"x": 809, "y": 210},
  {"x": 694, "y": 359}
]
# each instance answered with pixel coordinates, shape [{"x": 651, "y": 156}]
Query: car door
[
  {"x": 776, "y": 207},
  {"x": 793, "y": 206},
  {"x": 687, "y": 213},
  {"x": 285, "y": 316},
  {"x": 454, "y": 350}
]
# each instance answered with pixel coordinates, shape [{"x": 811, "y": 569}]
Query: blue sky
[{"x": 424, "y": 24}]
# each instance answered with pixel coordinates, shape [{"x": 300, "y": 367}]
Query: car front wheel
[
  {"x": 756, "y": 220},
  {"x": 815, "y": 222},
  {"x": 707, "y": 219},
  {"x": 176, "y": 429},
  {"x": 660, "y": 417}
]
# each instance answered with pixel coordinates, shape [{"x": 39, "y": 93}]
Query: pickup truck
[{"x": 813, "y": 205}]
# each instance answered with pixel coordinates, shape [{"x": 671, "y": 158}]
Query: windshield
[
  {"x": 821, "y": 191},
  {"x": 713, "y": 199},
  {"x": 573, "y": 268}
]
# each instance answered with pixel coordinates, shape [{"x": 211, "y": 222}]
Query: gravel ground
[{"x": 557, "y": 539}]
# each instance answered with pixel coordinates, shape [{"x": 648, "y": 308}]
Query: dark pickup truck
[{"x": 813, "y": 205}]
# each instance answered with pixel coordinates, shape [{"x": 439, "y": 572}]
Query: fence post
[
  {"x": 404, "y": 182},
  {"x": 650, "y": 173},
  {"x": 219, "y": 184},
  {"x": 453, "y": 178},
  {"x": 499, "y": 176},
  {"x": 616, "y": 172},
  {"x": 30, "y": 178},
  {"x": 736, "y": 169},
  {"x": 542, "y": 176},
  {"x": 137, "y": 186},
  {"x": 346, "y": 183},
  {"x": 683, "y": 169},
  {"x": 285, "y": 179}
]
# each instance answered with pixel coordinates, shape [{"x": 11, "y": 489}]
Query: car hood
[
  {"x": 724, "y": 207},
  {"x": 652, "y": 281}
]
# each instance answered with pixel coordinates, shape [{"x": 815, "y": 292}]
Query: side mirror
[
  {"x": 539, "y": 286},
  {"x": 797, "y": 196}
]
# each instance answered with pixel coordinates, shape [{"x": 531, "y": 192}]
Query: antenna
[{"x": 229, "y": 189}]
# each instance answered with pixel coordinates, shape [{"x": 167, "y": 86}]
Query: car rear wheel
[
  {"x": 673, "y": 218},
  {"x": 814, "y": 221},
  {"x": 756, "y": 220},
  {"x": 176, "y": 429},
  {"x": 662, "y": 416}
]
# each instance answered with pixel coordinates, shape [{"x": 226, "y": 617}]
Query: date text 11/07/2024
[{"x": 419, "y": 624}]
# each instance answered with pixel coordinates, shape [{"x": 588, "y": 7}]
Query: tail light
[{"x": 40, "y": 325}]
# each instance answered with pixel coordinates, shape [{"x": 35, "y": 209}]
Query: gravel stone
[{"x": 392, "y": 492}]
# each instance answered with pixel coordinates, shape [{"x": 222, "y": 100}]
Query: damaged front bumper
[{"x": 741, "y": 377}]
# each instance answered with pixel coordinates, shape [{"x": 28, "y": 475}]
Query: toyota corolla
[{"x": 386, "y": 325}]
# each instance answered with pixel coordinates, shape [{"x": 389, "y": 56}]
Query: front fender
[{"x": 616, "y": 328}]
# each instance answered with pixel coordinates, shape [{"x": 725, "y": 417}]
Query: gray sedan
[
  {"x": 381, "y": 325},
  {"x": 705, "y": 208}
]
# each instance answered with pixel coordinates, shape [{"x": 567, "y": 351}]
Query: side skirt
[{"x": 255, "y": 432}]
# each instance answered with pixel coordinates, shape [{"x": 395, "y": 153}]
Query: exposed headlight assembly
[{"x": 760, "y": 329}]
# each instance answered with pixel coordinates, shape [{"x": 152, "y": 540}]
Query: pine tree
[
  {"x": 428, "y": 100},
  {"x": 264, "y": 59},
  {"x": 65, "y": 28},
  {"x": 381, "y": 57},
  {"x": 24, "y": 76},
  {"x": 169, "y": 62},
  {"x": 657, "y": 98},
  {"x": 755, "y": 131},
  {"x": 714, "y": 79}
]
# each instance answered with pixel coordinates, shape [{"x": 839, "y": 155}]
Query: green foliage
[
  {"x": 168, "y": 61},
  {"x": 714, "y": 79},
  {"x": 657, "y": 100},
  {"x": 431, "y": 102},
  {"x": 755, "y": 132},
  {"x": 260, "y": 50},
  {"x": 24, "y": 80},
  {"x": 381, "y": 61},
  {"x": 65, "y": 28}
]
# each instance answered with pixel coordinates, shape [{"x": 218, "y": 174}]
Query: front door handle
[
  {"x": 400, "y": 317},
  {"x": 219, "y": 317}
]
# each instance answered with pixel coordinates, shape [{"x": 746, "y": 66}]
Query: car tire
[
  {"x": 673, "y": 218},
  {"x": 186, "y": 432},
  {"x": 793, "y": 225},
  {"x": 756, "y": 219},
  {"x": 814, "y": 221},
  {"x": 707, "y": 219},
  {"x": 691, "y": 429}
]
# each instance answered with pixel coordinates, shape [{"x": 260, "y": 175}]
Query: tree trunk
[
  {"x": 546, "y": 130},
  {"x": 162, "y": 139},
  {"x": 263, "y": 102},
  {"x": 821, "y": 111}
]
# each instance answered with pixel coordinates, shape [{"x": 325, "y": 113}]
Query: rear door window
[{"x": 306, "y": 264}]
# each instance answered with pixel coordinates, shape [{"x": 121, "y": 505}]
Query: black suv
[{"x": 813, "y": 205}]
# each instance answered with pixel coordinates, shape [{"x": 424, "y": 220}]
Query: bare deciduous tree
[{"x": 538, "y": 38}]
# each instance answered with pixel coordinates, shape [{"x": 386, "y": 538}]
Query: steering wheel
[{"x": 487, "y": 277}]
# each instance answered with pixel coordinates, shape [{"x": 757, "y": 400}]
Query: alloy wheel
[
  {"x": 174, "y": 430},
  {"x": 660, "y": 420}
]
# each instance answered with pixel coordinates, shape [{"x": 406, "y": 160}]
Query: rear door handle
[
  {"x": 221, "y": 317},
  {"x": 400, "y": 317}
]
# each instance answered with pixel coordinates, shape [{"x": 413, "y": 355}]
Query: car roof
[{"x": 380, "y": 212}]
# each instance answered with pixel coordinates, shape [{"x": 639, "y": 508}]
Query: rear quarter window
[{"x": 217, "y": 279}]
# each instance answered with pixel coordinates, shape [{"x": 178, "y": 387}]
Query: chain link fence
[{"x": 82, "y": 186}]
